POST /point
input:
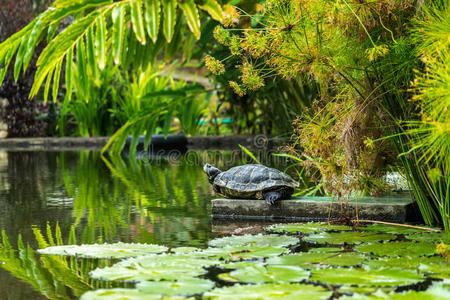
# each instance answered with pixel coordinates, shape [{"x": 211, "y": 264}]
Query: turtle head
[{"x": 211, "y": 172}]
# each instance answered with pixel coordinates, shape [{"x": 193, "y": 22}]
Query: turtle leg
[{"x": 271, "y": 197}]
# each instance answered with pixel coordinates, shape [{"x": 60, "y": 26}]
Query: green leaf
[
  {"x": 55, "y": 51},
  {"x": 433, "y": 237},
  {"x": 269, "y": 291},
  {"x": 311, "y": 227},
  {"x": 69, "y": 67},
  {"x": 19, "y": 58},
  {"x": 152, "y": 18},
  {"x": 348, "y": 237},
  {"x": 118, "y": 18},
  {"x": 118, "y": 294},
  {"x": 154, "y": 267},
  {"x": 397, "y": 248},
  {"x": 184, "y": 286},
  {"x": 358, "y": 276},
  {"x": 191, "y": 14},
  {"x": 56, "y": 76},
  {"x": 170, "y": 16},
  {"x": 138, "y": 21},
  {"x": 310, "y": 259},
  {"x": 249, "y": 153},
  {"x": 100, "y": 42},
  {"x": 213, "y": 8},
  {"x": 259, "y": 240},
  {"x": 391, "y": 229},
  {"x": 117, "y": 250},
  {"x": 258, "y": 273},
  {"x": 401, "y": 262},
  {"x": 241, "y": 253}
]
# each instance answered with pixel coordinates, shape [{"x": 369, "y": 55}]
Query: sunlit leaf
[
  {"x": 117, "y": 250},
  {"x": 310, "y": 259},
  {"x": 348, "y": 237},
  {"x": 391, "y": 229},
  {"x": 170, "y": 17},
  {"x": 213, "y": 8},
  {"x": 258, "y": 273},
  {"x": 185, "y": 286},
  {"x": 312, "y": 227},
  {"x": 191, "y": 14},
  {"x": 269, "y": 291},
  {"x": 154, "y": 267},
  {"x": 397, "y": 248},
  {"x": 358, "y": 276},
  {"x": 118, "y": 294},
  {"x": 433, "y": 237},
  {"x": 238, "y": 253},
  {"x": 259, "y": 240}
]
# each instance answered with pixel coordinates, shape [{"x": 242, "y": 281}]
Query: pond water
[
  {"x": 83, "y": 198},
  {"x": 163, "y": 201}
]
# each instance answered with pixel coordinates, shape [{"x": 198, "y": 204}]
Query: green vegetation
[
  {"x": 158, "y": 272},
  {"x": 366, "y": 81}
]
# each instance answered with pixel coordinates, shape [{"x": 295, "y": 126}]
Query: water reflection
[{"x": 47, "y": 197}]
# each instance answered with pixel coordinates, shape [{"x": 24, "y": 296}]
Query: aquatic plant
[
  {"x": 311, "y": 227},
  {"x": 258, "y": 273}
]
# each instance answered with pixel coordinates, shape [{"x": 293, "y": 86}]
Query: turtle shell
[{"x": 253, "y": 178}]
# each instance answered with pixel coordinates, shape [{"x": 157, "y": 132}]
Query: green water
[
  {"x": 161, "y": 201},
  {"x": 82, "y": 198}
]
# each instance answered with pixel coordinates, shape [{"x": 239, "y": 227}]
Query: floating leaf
[
  {"x": 118, "y": 294},
  {"x": 348, "y": 237},
  {"x": 358, "y": 276},
  {"x": 239, "y": 253},
  {"x": 397, "y": 248},
  {"x": 186, "y": 286},
  {"x": 365, "y": 289},
  {"x": 391, "y": 229},
  {"x": 117, "y": 250},
  {"x": 325, "y": 249},
  {"x": 236, "y": 264},
  {"x": 259, "y": 240},
  {"x": 437, "y": 269},
  {"x": 258, "y": 273},
  {"x": 154, "y": 267},
  {"x": 269, "y": 291},
  {"x": 305, "y": 259},
  {"x": 401, "y": 262},
  {"x": 433, "y": 237},
  {"x": 435, "y": 292},
  {"x": 311, "y": 227},
  {"x": 185, "y": 250}
]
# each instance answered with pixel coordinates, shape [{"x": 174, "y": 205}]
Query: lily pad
[
  {"x": 259, "y": 273},
  {"x": 240, "y": 253},
  {"x": 269, "y": 291},
  {"x": 437, "y": 270},
  {"x": 435, "y": 292},
  {"x": 185, "y": 250},
  {"x": 401, "y": 262},
  {"x": 348, "y": 237},
  {"x": 365, "y": 289},
  {"x": 118, "y": 294},
  {"x": 363, "y": 277},
  {"x": 325, "y": 249},
  {"x": 433, "y": 237},
  {"x": 236, "y": 264},
  {"x": 186, "y": 286},
  {"x": 258, "y": 240},
  {"x": 305, "y": 259},
  {"x": 117, "y": 250},
  {"x": 154, "y": 267},
  {"x": 311, "y": 227},
  {"x": 391, "y": 229},
  {"x": 397, "y": 248}
]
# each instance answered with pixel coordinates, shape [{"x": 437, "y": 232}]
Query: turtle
[{"x": 251, "y": 181}]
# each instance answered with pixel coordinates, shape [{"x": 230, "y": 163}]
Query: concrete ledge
[
  {"x": 390, "y": 209},
  {"x": 225, "y": 142}
]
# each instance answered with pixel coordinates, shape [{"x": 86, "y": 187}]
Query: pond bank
[{"x": 228, "y": 142}]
